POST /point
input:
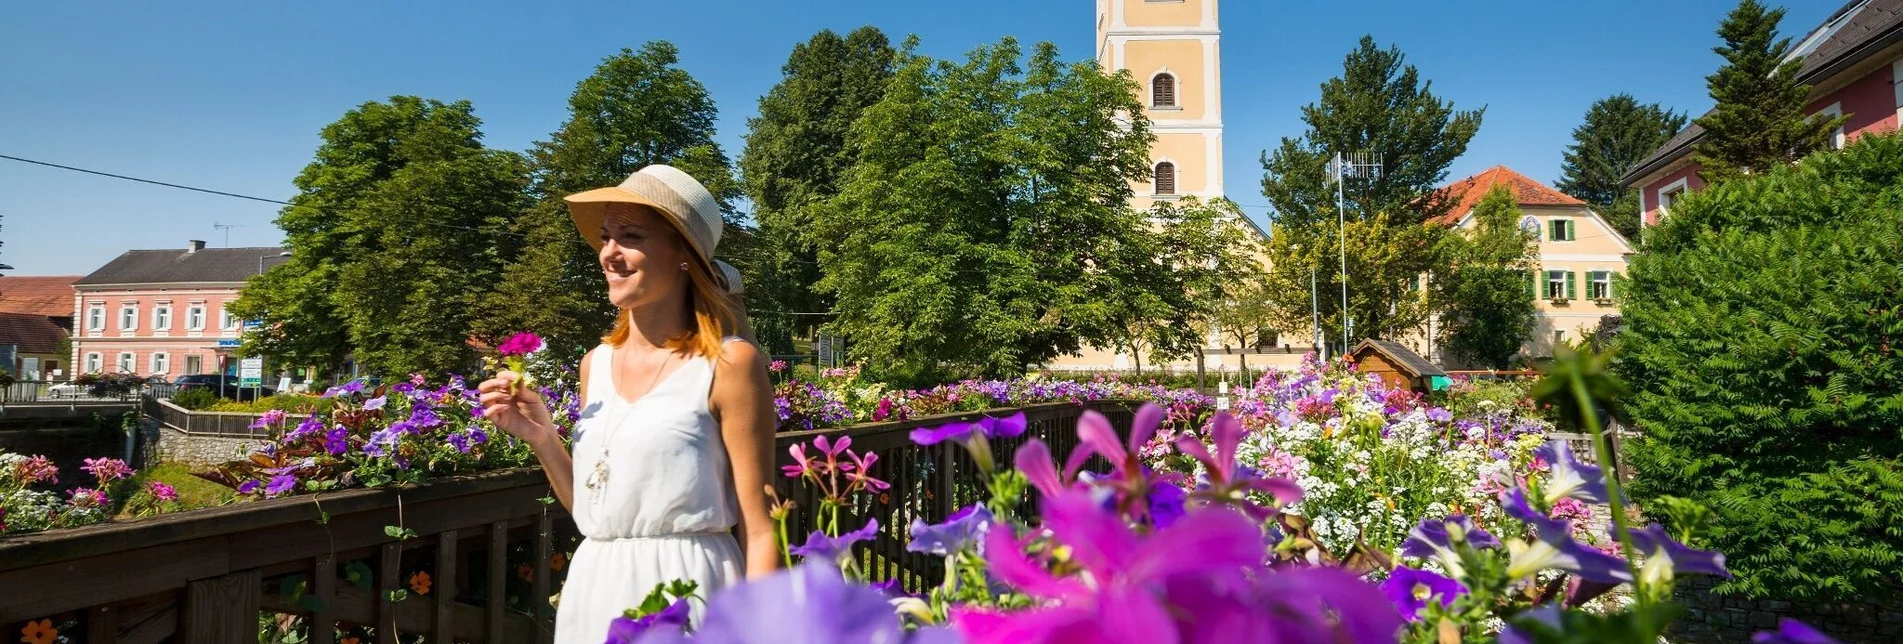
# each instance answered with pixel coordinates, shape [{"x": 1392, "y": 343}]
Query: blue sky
[{"x": 230, "y": 95}]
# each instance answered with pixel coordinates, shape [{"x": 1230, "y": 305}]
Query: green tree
[
  {"x": 1381, "y": 108},
  {"x": 796, "y": 158},
  {"x": 1385, "y": 261},
  {"x": 400, "y": 222},
  {"x": 638, "y": 108},
  {"x": 1760, "y": 120},
  {"x": 1486, "y": 307},
  {"x": 1213, "y": 253},
  {"x": 984, "y": 225},
  {"x": 1618, "y": 132},
  {"x": 1761, "y": 329}
]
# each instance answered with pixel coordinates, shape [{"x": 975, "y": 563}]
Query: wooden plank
[
  {"x": 365, "y": 529},
  {"x": 223, "y": 610},
  {"x": 389, "y": 579},
  {"x": 445, "y": 587},
  {"x": 323, "y": 586},
  {"x": 102, "y": 624},
  {"x": 149, "y": 622},
  {"x": 495, "y": 609},
  {"x": 544, "y": 534},
  {"x": 80, "y": 584},
  {"x": 412, "y": 616}
]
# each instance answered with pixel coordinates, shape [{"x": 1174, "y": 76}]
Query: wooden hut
[{"x": 1398, "y": 366}]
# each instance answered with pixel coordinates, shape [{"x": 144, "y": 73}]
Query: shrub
[
  {"x": 1763, "y": 324},
  {"x": 293, "y": 403},
  {"x": 195, "y": 398}
]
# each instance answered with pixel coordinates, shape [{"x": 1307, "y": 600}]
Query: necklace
[{"x": 598, "y": 479}]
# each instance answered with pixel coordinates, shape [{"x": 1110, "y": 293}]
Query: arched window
[
  {"x": 1165, "y": 178},
  {"x": 1163, "y": 90}
]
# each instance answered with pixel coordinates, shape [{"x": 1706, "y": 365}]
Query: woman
[{"x": 674, "y": 446}]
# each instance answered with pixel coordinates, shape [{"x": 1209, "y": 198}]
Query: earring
[{"x": 683, "y": 266}]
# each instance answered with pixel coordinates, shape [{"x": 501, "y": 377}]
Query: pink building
[
  {"x": 164, "y": 312},
  {"x": 1852, "y": 62}
]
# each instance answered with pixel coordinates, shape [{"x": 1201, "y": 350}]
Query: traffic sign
[{"x": 251, "y": 372}]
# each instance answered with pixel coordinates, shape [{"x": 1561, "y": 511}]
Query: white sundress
[{"x": 666, "y": 509}]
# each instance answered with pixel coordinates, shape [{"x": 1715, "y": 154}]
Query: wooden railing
[
  {"x": 493, "y": 547},
  {"x": 232, "y": 424}
]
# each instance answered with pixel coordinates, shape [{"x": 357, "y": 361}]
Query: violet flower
[
  {"x": 974, "y": 435},
  {"x": 963, "y": 530},
  {"x": 1665, "y": 556},
  {"x": 280, "y": 484},
  {"x": 1570, "y": 477},
  {"x": 1410, "y": 590},
  {"x": 805, "y": 605},
  {"x": 249, "y": 486},
  {"x": 163, "y": 492},
  {"x": 1545, "y": 617},
  {"x": 374, "y": 404},
  {"x": 1791, "y": 631},
  {"x": 310, "y": 426},
  {"x": 269, "y": 418},
  {"x": 424, "y": 416},
  {"x": 1556, "y": 548},
  {"x": 834, "y": 549},
  {"x": 336, "y": 441},
  {"x": 1435, "y": 539},
  {"x": 628, "y": 630},
  {"x": 106, "y": 469},
  {"x": 458, "y": 440}
]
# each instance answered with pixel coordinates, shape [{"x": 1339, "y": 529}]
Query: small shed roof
[{"x": 1401, "y": 356}]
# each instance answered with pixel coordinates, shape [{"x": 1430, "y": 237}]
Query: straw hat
[{"x": 679, "y": 199}]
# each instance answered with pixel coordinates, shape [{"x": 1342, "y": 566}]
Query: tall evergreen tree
[
  {"x": 796, "y": 158},
  {"x": 1379, "y": 107},
  {"x": 638, "y": 108},
  {"x": 1760, "y": 119},
  {"x": 984, "y": 225},
  {"x": 1487, "y": 307},
  {"x": 400, "y": 222},
  {"x": 1617, "y": 133}
]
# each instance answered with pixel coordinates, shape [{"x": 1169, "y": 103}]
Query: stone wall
[
  {"x": 1715, "y": 618},
  {"x": 198, "y": 450}
]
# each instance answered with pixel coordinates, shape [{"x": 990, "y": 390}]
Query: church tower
[{"x": 1172, "y": 48}]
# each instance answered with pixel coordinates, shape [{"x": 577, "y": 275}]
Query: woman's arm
[
  {"x": 526, "y": 417},
  {"x": 742, "y": 400}
]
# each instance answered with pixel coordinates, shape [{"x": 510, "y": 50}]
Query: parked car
[
  {"x": 224, "y": 386},
  {"x": 64, "y": 390}
]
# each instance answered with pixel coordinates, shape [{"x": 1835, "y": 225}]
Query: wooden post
[
  {"x": 445, "y": 587},
  {"x": 223, "y": 610},
  {"x": 389, "y": 579},
  {"x": 102, "y": 624},
  {"x": 498, "y": 579},
  {"x": 324, "y": 588},
  {"x": 544, "y": 531}
]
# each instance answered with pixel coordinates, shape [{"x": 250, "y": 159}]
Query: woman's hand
[{"x": 520, "y": 412}]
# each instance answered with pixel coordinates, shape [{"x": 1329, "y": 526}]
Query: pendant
[{"x": 599, "y": 478}]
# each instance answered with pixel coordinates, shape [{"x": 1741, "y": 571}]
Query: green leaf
[
  {"x": 398, "y": 532},
  {"x": 356, "y": 572}
]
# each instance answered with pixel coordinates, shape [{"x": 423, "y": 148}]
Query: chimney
[{"x": 194, "y": 245}]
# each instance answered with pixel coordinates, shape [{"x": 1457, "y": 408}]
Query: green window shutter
[
  {"x": 1570, "y": 293},
  {"x": 1533, "y": 284},
  {"x": 1552, "y": 229},
  {"x": 1572, "y": 230}
]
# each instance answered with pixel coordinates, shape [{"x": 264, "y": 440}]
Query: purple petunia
[
  {"x": 270, "y": 418},
  {"x": 1570, "y": 477},
  {"x": 1665, "y": 556},
  {"x": 424, "y": 416},
  {"x": 1411, "y": 589},
  {"x": 1791, "y": 631},
  {"x": 964, "y": 529},
  {"x": 833, "y": 549},
  {"x": 280, "y": 484},
  {"x": 1439, "y": 415},
  {"x": 310, "y": 426},
  {"x": 1556, "y": 548},
  {"x": 805, "y": 604},
  {"x": 628, "y": 630},
  {"x": 1435, "y": 539},
  {"x": 336, "y": 441},
  {"x": 1224, "y": 479},
  {"x": 376, "y": 403},
  {"x": 249, "y": 486},
  {"x": 458, "y": 440}
]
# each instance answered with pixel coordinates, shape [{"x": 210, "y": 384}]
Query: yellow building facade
[{"x": 1173, "y": 49}]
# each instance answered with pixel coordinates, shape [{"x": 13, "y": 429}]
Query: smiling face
[{"x": 641, "y": 256}]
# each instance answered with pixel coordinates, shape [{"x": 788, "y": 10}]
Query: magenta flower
[
  {"x": 106, "y": 469},
  {"x": 1033, "y": 460},
  {"x": 1411, "y": 589},
  {"x": 1791, "y": 631},
  {"x": 801, "y": 463},
  {"x": 1224, "y": 480},
  {"x": 36, "y": 470},
  {"x": 82, "y": 497},
  {"x": 776, "y": 366},
  {"x": 520, "y": 344},
  {"x": 271, "y": 418},
  {"x": 163, "y": 492},
  {"x": 859, "y": 472}
]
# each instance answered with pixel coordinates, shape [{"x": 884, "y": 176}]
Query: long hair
[{"x": 713, "y": 312}]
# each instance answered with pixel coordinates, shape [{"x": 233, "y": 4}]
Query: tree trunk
[{"x": 1200, "y": 382}]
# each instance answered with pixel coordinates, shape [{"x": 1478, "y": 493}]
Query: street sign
[
  {"x": 251, "y": 372},
  {"x": 229, "y": 344},
  {"x": 253, "y": 324}
]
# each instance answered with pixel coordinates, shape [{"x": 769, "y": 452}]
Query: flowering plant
[
  {"x": 515, "y": 353},
  {"x": 26, "y": 505},
  {"x": 398, "y": 433}
]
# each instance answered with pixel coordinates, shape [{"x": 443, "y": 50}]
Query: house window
[
  {"x": 128, "y": 317},
  {"x": 227, "y": 321},
  {"x": 1599, "y": 285},
  {"x": 161, "y": 363},
  {"x": 96, "y": 317},
  {"x": 195, "y": 318},
  {"x": 1837, "y": 138},
  {"x": 1165, "y": 178},
  {"x": 162, "y": 317},
  {"x": 94, "y": 362},
  {"x": 1671, "y": 193},
  {"x": 126, "y": 364},
  {"x": 1163, "y": 90},
  {"x": 1559, "y": 338},
  {"x": 1561, "y": 229},
  {"x": 194, "y": 365},
  {"x": 1559, "y": 285}
]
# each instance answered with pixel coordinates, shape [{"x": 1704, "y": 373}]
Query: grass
[{"x": 193, "y": 492}]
